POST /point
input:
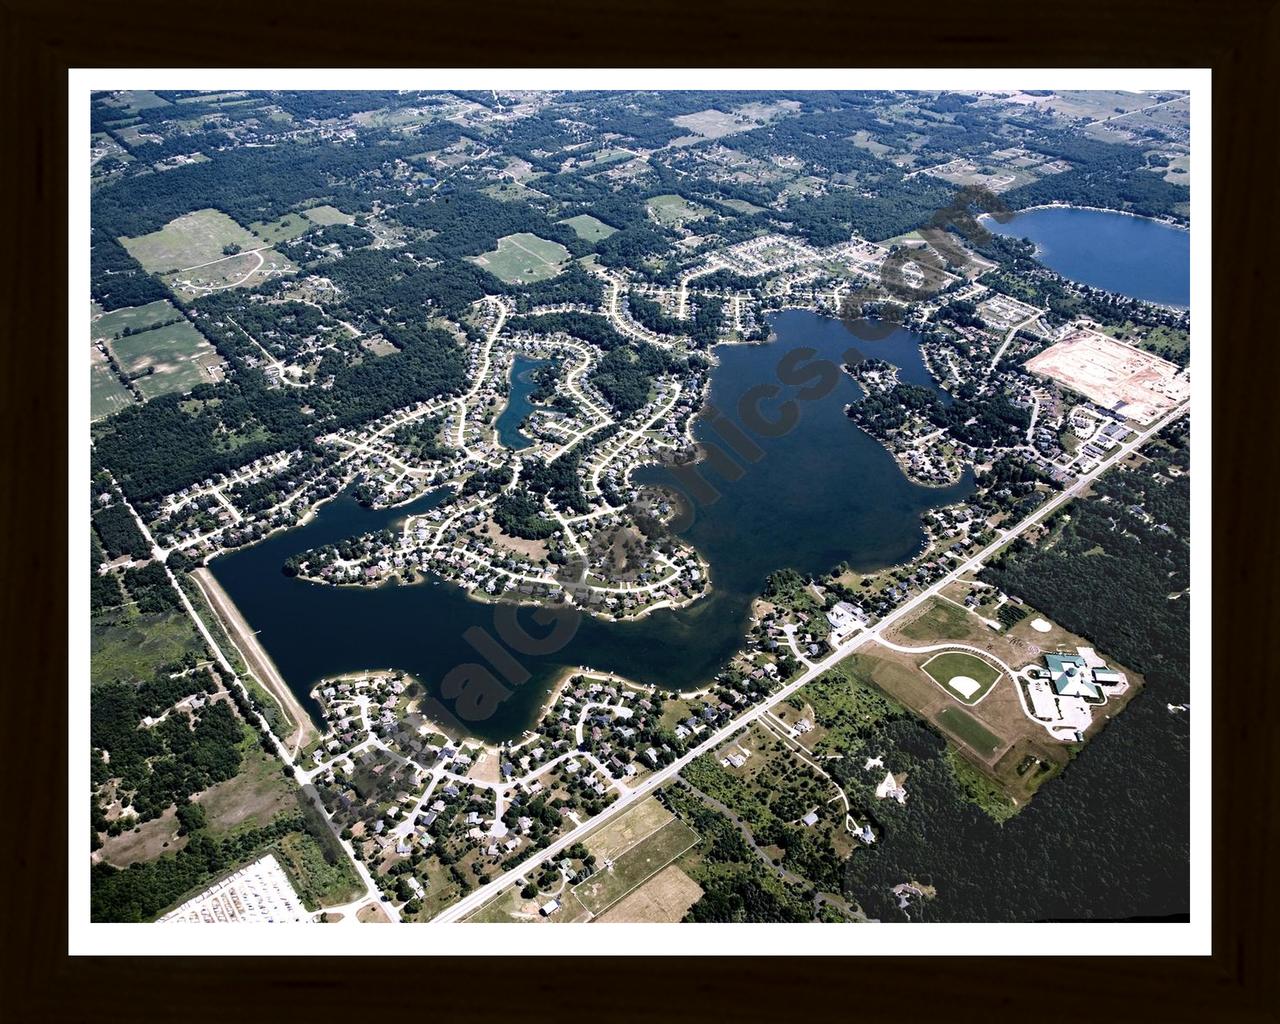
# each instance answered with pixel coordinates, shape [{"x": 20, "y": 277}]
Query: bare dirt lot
[{"x": 1136, "y": 384}]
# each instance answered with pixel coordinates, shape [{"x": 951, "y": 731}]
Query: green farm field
[
  {"x": 139, "y": 318},
  {"x": 328, "y": 215},
  {"x": 179, "y": 353},
  {"x": 106, "y": 394},
  {"x": 524, "y": 258},
  {"x": 588, "y": 228},
  {"x": 188, "y": 241},
  {"x": 291, "y": 225}
]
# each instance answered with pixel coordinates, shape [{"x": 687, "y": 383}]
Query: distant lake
[
  {"x": 518, "y": 404},
  {"x": 1132, "y": 256},
  {"x": 822, "y": 494}
]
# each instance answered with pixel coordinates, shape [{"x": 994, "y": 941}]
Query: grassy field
[
  {"x": 649, "y": 856},
  {"x": 319, "y": 882},
  {"x": 940, "y": 620},
  {"x": 106, "y": 394},
  {"x": 125, "y": 644},
  {"x": 968, "y": 729},
  {"x": 134, "y": 100},
  {"x": 140, "y": 318},
  {"x": 253, "y": 797},
  {"x": 188, "y": 241},
  {"x": 672, "y": 210},
  {"x": 628, "y": 828},
  {"x": 945, "y": 667},
  {"x": 248, "y": 270},
  {"x": 291, "y": 225},
  {"x": 328, "y": 215},
  {"x": 524, "y": 258},
  {"x": 588, "y": 228},
  {"x": 179, "y": 353},
  {"x": 664, "y": 898}
]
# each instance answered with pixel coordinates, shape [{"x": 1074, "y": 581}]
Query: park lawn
[
  {"x": 968, "y": 729},
  {"x": 672, "y": 209},
  {"x": 291, "y": 225},
  {"x": 524, "y": 258},
  {"x": 641, "y": 862},
  {"x": 946, "y": 666},
  {"x": 179, "y": 353},
  {"x": 627, "y": 829},
  {"x": 742, "y": 206},
  {"x": 324, "y": 215},
  {"x": 127, "y": 644},
  {"x": 106, "y": 394},
  {"x": 188, "y": 241},
  {"x": 588, "y": 228},
  {"x": 140, "y": 318}
]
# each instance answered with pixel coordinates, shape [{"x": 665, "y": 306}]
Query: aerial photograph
[{"x": 659, "y": 506}]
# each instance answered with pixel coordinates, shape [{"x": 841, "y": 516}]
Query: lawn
[
  {"x": 291, "y": 225},
  {"x": 328, "y": 215},
  {"x": 641, "y": 862},
  {"x": 967, "y": 728},
  {"x": 179, "y": 354},
  {"x": 671, "y": 210},
  {"x": 125, "y": 644},
  {"x": 319, "y": 882},
  {"x": 588, "y": 228},
  {"x": 139, "y": 318},
  {"x": 106, "y": 394},
  {"x": 943, "y": 668},
  {"x": 524, "y": 258},
  {"x": 188, "y": 241}
]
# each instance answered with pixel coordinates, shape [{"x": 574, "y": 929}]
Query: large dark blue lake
[
  {"x": 822, "y": 494},
  {"x": 1132, "y": 256},
  {"x": 1108, "y": 839}
]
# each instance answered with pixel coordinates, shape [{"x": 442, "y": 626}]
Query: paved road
[{"x": 479, "y": 897}]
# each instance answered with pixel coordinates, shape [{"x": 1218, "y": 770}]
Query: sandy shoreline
[{"x": 256, "y": 658}]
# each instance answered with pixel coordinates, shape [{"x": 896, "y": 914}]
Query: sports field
[
  {"x": 180, "y": 354},
  {"x": 588, "y": 228},
  {"x": 139, "y": 318},
  {"x": 188, "y": 241},
  {"x": 671, "y": 210},
  {"x": 965, "y": 676},
  {"x": 106, "y": 394},
  {"x": 328, "y": 215},
  {"x": 969, "y": 730},
  {"x": 635, "y": 866},
  {"x": 524, "y": 258}
]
